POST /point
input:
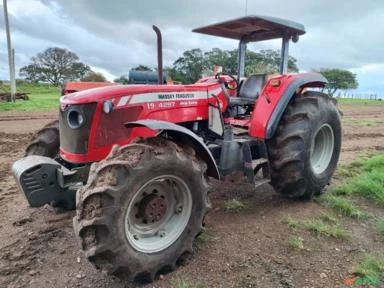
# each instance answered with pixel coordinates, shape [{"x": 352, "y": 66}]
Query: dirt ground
[{"x": 245, "y": 249}]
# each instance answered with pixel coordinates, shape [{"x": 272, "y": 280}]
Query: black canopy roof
[{"x": 253, "y": 28}]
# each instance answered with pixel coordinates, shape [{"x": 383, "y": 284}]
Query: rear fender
[
  {"x": 181, "y": 135},
  {"x": 274, "y": 100}
]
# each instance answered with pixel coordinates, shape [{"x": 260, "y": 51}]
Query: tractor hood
[{"x": 119, "y": 91}]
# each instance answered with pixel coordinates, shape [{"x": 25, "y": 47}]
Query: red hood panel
[{"x": 111, "y": 92}]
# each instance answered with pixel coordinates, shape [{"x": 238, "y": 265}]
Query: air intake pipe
[{"x": 159, "y": 54}]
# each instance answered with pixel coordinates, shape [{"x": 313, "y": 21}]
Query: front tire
[
  {"x": 142, "y": 208},
  {"x": 305, "y": 149},
  {"x": 46, "y": 142}
]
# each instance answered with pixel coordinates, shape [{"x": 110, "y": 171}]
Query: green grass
[
  {"x": 342, "y": 206},
  {"x": 380, "y": 225},
  {"x": 353, "y": 168},
  {"x": 366, "y": 179},
  {"x": 41, "y": 97},
  {"x": 325, "y": 225},
  {"x": 328, "y": 218},
  {"x": 360, "y": 101},
  {"x": 233, "y": 205},
  {"x": 363, "y": 122},
  {"x": 291, "y": 222},
  {"x": 319, "y": 227},
  {"x": 204, "y": 238},
  {"x": 370, "y": 271},
  {"x": 296, "y": 242}
]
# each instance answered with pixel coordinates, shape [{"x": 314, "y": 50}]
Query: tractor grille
[
  {"x": 76, "y": 140},
  {"x": 111, "y": 129}
]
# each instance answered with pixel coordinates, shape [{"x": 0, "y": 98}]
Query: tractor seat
[{"x": 250, "y": 90}]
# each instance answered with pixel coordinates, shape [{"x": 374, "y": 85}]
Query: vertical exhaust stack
[{"x": 159, "y": 54}]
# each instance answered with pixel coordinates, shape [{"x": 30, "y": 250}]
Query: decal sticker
[
  {"x": 155, "y": 97},
  {"x": 123, "y": 101},
  {"x": 167, "y": 104}
]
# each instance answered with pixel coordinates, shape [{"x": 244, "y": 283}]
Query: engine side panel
[{"x": 174, "y": 104}]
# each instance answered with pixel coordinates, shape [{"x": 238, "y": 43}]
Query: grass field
[
  {"x": 360, "y": 101},
  {"x": 364, "y": 177},
  {"x": 41, "y": 97},
  {"x": 46, "y": 97}
]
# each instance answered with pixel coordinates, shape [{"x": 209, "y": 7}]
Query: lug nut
[
  {"x": 179, "y": 209},
  {"x": 135, "y": 237}
]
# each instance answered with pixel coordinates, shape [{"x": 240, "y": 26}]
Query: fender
[
  {"x": 274, "y": 100},
  {"x": 181, "y": 134}
]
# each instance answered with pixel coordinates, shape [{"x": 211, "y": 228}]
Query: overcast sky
[{"x": 114, "y": 36}]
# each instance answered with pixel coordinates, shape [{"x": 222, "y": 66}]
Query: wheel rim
[
  {"x": 322, "y": 148},
  {"x": 158, "y": 214}
]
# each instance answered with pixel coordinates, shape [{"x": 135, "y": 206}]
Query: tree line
[{"x": 57, "y": 65}]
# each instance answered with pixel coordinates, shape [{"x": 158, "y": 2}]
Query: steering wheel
[{"x": 227, "y": 82}]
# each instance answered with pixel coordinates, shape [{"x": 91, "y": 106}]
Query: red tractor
[{"x": 138, "y": 158}]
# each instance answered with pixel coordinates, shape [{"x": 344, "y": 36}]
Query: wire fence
[{"x": 365, "y": 96}]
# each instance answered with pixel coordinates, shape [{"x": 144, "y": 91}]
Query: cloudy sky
[{"x": 113, "y": 36}]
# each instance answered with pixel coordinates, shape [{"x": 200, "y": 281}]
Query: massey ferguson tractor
[{"x": 136, "y": 160}]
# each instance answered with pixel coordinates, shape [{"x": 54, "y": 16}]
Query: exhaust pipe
[{"x": 159, "y": 54}]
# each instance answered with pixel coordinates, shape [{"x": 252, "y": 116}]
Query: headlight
[
  {"x": 75, "y": 119},
  {"x": 107, "y": 107}
]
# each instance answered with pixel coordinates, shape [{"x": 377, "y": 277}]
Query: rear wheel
[
  {"x": 46, "y": 142},
  {"x": 142, "y": 208},
  {"x": 305, "y": 149}
]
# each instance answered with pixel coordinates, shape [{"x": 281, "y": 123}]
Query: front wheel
[
  {"x": 142, "y": 208},
  {"x": 305, "y": 150}
]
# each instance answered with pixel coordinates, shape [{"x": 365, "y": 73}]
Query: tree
[
  {"x": 231, "y": 63},
  {"x": 54, "y": 65},
  {"x": 142, "y": 68},
  {"x": 174, "y": 74},
  {"x": 258, "y": 68},
  {"x": 190, "y": 65},
  {"x": 31, "y": 73},
  {"x": 215, "y": 57},
  {"x": 267, "y": 61},
  {"x": 123, "y": 79},
  {"x": 339, "y": 79},
  {"x": 93, "y": 76}
]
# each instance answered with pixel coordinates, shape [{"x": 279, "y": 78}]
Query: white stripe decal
[
  {"x": 123, "y": 100},
  {"x": 168, "y": 96}
]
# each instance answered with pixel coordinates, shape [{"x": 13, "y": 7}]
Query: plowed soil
[{"x": 244, "y": 249}]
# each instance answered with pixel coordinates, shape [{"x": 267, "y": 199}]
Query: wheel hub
[
  {"x": 158, "y": 213},
  {"x": 152, "y": 208},
  {"x": 322, "y": 148}
]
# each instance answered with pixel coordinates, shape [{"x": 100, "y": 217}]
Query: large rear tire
[
  {"x": 305, "y": 149},
  {"x": 142, "y": 208},
  {"x": 46, "y": 142}
]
